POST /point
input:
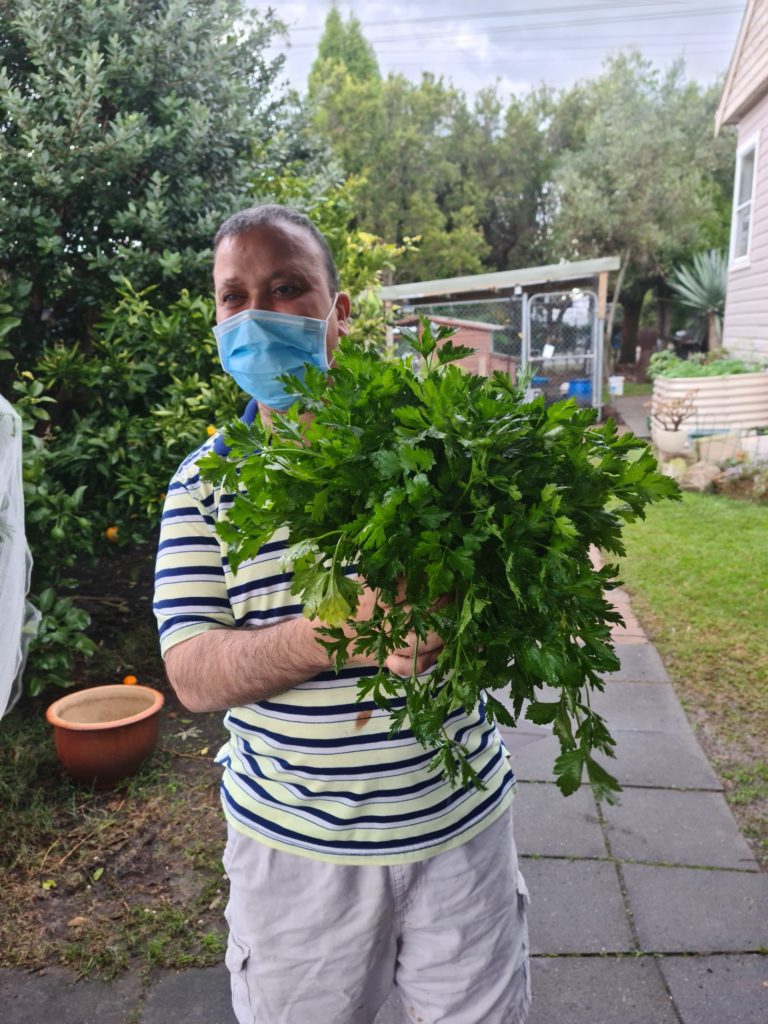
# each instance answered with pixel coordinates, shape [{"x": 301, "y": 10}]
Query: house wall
[
  {"x": 483, "y": 360},
  {"x": 749, "y": 78},
  {"x": 745, "y": 329}
]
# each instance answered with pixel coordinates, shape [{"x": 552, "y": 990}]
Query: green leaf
[
  {"x": 569, "y": 767},
  {"x": 542, "y": 712}
]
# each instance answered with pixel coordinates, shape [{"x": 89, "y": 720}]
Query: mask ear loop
[{"x": 342, "y": 330}]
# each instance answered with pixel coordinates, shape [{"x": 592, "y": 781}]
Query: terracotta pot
[{"x": 104, "y": 733}]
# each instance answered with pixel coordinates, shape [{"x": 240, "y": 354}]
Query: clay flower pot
[{"x": 103, "y": 733}]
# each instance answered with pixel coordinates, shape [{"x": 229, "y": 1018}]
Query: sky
[{"x": 475, "y": 43}]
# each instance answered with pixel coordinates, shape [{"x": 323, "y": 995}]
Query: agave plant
[{"x": 701, "y": 287}]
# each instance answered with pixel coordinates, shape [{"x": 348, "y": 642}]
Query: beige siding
[
  {"x": 746, "y": 307},
  {"x": 479, "y": 337},
  {"x": 751, "y": 74},
  {"x": 483, "y": 360}
]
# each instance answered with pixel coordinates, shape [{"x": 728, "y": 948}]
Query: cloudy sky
[{"x": 477, "y": 42}]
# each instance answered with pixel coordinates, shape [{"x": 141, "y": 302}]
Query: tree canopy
[
  {"x": 126, "y": 130},
  {"x": 624, "y": 164},
  {"x": 343, "y": 43},
  {"x": 646, "y": 182}
]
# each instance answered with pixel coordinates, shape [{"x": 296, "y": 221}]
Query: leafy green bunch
[{"x": 469, "y": 512}]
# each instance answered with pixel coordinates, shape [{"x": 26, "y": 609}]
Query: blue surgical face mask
[{"x": 257, "y": 346}]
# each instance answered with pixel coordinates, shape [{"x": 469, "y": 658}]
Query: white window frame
[{"x": 750, "y": 146}]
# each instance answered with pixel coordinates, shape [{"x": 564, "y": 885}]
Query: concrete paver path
[{"x": 652, "y": 911}]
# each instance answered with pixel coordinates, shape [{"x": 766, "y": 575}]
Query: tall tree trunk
[
  {"x": 608, "y": 363},
  {"x": 713, "y": 331},
  {"x": 631, "y": 304},
  {"x": 664, "y": 316}
]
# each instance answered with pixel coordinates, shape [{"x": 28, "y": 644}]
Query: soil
[{"x": 128, "y": 877}]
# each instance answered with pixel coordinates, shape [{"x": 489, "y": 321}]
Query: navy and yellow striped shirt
[{"x": 312, "y": 771}]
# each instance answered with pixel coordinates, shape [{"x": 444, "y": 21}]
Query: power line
[
  {"x": 505, "y": 30},
  {"x": 563, "y": 9},
  {"x": 524, "y": 59},
  {"x": 554, "y": 45}
]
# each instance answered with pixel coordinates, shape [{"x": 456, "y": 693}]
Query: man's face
[{"x": 279, "y": 268}]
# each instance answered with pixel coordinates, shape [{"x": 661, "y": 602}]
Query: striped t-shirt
[{"x": 312, "y": 771}]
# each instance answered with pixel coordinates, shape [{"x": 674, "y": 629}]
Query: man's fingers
[
  {"x": 432, "y": 642},
  {"x": 399, "y": 666},
  {"x": 402, "y": 664}
]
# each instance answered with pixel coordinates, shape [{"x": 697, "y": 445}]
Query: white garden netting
[{"x": 17, "y": 617}]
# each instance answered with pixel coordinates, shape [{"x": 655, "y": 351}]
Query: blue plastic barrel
[{"x": 581, "y": 390}]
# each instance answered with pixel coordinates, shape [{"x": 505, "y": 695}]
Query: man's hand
[{"x": 401, "y": 662}]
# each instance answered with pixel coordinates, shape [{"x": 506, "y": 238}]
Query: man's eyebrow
[{"x": 230, "y": 282}]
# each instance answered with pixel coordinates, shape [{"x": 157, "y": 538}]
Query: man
[{"x": 352, "y": 866}]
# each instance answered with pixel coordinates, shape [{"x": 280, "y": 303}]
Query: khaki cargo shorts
[{"x": 318, "y": 943}]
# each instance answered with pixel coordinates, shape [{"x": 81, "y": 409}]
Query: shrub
[
  {"x": 748, "y": 478},
  {"x": 129, "y": 410},
  {"x": 103, "y": 432},
  {"x": 667, "y": 364}
]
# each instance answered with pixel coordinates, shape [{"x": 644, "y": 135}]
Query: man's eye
[
  {"x": 229, "y": 297},
  {"x": 286, "y": 289}
]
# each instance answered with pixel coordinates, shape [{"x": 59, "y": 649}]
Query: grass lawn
[
  {"x": 638, "y": 387},
  {"x": 697, "y": 572}
]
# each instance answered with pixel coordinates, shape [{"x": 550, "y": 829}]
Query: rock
[
  {"x": 700, "y": 477},
  {"x": 676, "y": 468}
]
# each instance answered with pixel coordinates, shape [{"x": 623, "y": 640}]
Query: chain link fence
[{"x": 551, "y": 337}]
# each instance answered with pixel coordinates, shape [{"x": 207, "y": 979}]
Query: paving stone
[
  {"x": 661, "y": 759},
  {"x": 647, "y": 707},
  {"x": 197, "y": 996},
  {"x": 549, "y": 824},
  {"x": 54, "y": 994},
  {"x": 598, "y": 990},
  {"x": 678, "y": 828},
  {"x": 682, "y": 910},
  {"x": 633, "y": 413},
  {"x": 640, "y": 663},
  {"x": 718, "y": 989},
  {"x": 576, "y": 907}
]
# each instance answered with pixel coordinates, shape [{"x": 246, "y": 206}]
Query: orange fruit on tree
[
  {"x": 111, "y": 533},
  {"x": 211, "y": 430},
  {"x": 130, "y": 680}
]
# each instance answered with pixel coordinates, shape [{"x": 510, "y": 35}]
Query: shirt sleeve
[{"x": 191, "y": 593}]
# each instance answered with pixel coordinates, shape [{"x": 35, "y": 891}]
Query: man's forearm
[{"x": 224, "y": 668}]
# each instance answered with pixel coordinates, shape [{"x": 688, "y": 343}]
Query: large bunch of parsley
[{"x": 471, "y": 512}]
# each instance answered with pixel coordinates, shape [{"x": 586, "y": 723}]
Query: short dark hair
[{"x": 270, "y": 214}]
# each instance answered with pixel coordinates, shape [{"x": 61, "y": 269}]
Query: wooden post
[{"x": 602, "y": 294}]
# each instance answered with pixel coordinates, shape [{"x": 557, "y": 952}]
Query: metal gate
[{"x": 554, "y": 339}]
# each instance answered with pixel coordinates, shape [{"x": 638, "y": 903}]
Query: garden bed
[{"x": 127, "y": 878}]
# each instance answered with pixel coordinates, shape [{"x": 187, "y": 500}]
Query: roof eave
[
  {"x": 582, "y": 272},
  {"x": 724, "y": 114},
  {"x": 736, "y": 114}
]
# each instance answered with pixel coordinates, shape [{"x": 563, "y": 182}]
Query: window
[{"x": 743, "y": 197}]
